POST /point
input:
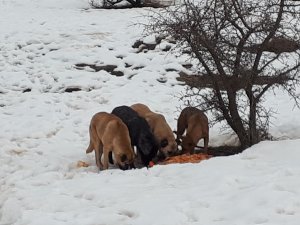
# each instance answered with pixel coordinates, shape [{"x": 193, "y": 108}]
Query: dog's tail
[{"x": 90, "y": 148}]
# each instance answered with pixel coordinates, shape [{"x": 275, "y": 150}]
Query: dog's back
[
  {"x": 160, "y": 128},
  {"x": 132, "y": 120},
  {"x": 139, "y": 131},
  {"x": 186, "y": 115},
  {"x": 97, "y": 127},
  {"x": 141, "y": 109}
]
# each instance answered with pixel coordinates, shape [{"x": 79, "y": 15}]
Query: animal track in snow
[
  {"x": 261, "y": 220},
  {"x": 17, "y": 151},
  {"x": 283, "y": 211},
  {"x": 128, "y": 213}
]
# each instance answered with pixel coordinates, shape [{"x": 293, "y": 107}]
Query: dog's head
[
  {"x": 125, "y": 161},
  {"x": 187, "y": 144},
  {"x": 168, "y": 147},
  {"x": 147, "y": 147}
]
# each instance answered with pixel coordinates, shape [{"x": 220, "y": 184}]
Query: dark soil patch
[
  {"x": 277, "y": 45},
  {"x": 167, "y": 48},
  {"x": 138, "y": 67},
  {"x": 112, "y": 5},
  {"x": 131, "y": 76},
  {"x": 162, "y": 80},
  {"x": 171, "y": 70},
  {"x": 53, "y": 49},
  {"x": 187, "y": 65},
  {"x": 108, "y": 68},
  {"x": 213, "y": 151},
  {"x": 236, "y": 83},
  {"x": 27, "y": 90},
  {"x": 72, "y": 89},
  {"x": 137, "y": 44},
  {"x": 117, "y": 73},
  {"x": 144, "y": 47},
  {"x": 221, "y": 150}
]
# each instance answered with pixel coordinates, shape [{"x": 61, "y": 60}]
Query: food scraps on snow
[
  {"x": 186, "y": 158},
  {"x": 82, "y": 164}
]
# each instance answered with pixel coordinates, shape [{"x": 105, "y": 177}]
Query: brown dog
[
  {"x": 160, "y": 128},
  {"x": 109, "y": 134},
  {"x": 195, "y": 122}
]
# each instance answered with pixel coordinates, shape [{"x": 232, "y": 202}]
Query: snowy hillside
[{"x": 44, "y": 129}]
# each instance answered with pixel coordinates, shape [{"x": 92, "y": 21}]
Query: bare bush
[
  {"x": 108, "y": 4},
  {"x": 239, "y": 44}
]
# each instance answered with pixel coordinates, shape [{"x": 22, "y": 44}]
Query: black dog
[{"x": 139, "y": 132}]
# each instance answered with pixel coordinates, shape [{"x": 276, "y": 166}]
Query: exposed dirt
[
  {"x": 221, "y": 150},
  {"x": 108, "y": 68},
  {"x": 237, "y": 83}
]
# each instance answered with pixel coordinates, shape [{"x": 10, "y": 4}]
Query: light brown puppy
[
  {"x": 109, "y": 134},
  {"x": 195, "y": 122},
  {"x": 160, "y": 128}
]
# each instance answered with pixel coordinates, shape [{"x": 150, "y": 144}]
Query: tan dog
[
  {"x": 195, "y": 122},
  {"x": 160, "y": 128},
  {"x": 109, "y": 134}
]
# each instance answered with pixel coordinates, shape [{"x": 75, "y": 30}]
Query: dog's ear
[
  {"x": 164, "y": 143},
  {"x": 123, "y": 158},
  {"x": 179, "y": 139},
  {"x": 178, "y": 135}
]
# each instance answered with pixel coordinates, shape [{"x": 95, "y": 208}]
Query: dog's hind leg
[
  {"x": 105, "y": 158},
  {"x": 98, "y": 154},
  {"x": 206, "y": 139}
]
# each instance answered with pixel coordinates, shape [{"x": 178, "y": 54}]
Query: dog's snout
[
  {"x": 131, "y": 166},
  {"x": 170, "y": 152},
  {"x": 125, "y": 167}
]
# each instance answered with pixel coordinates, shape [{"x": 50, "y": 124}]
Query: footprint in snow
[
  {"x": 261, "y": 220},
  {"x": 128, "y": 213},
  {"x": 288, "y": 212}
]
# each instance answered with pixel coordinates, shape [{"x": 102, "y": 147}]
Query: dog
[
  {"x": 109, "y": 134},
  {"x": 195, "y": 122},
  {"x": 160, "y": 128},
  {"x": 140, "y": 133}
]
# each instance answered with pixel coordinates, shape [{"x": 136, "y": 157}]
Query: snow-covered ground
[{"x": 44, "y": 130}]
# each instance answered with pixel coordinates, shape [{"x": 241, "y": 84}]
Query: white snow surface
[{"x": 44, "y": 132}]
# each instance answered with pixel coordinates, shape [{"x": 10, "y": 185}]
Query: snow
[{"x": 44, "y": 131}]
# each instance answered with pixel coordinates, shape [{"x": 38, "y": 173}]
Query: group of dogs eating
[{"x": 114, "y": 135}]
